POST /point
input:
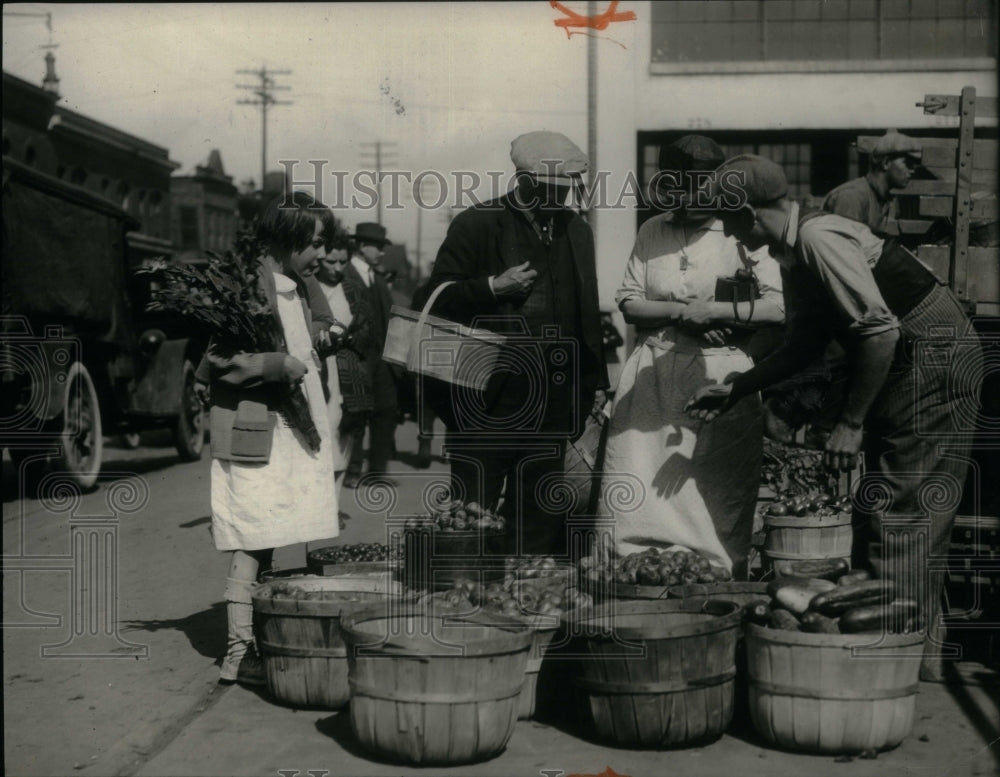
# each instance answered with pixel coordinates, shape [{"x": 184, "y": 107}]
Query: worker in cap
[
  {"x": 523, "y": 264},
  {"x": 688, "y": 335},
  {"x": 869, "y": 199},
  {"x": 901, "y": 410}
]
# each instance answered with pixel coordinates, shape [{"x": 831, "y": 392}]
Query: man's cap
[
  {"x": 691, "y": 152},
  {"x": 371, "y": 232},
  {"x": 763, "y": 180},
  {"x": 897, "y": 144},
  {"x": 549, "y": 156}
]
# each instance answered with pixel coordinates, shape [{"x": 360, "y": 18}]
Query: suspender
[{"x": 902, "y": 280}]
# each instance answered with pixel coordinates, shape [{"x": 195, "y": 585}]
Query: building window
[
  {"x": 794, "y": 155},
  {"x": 699, "y": 36},
  {"x": 189, "y": 226},
  {"x": 78, "y": 176}
]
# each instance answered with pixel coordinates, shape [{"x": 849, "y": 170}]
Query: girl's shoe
[{"x": 249, "y": 672}]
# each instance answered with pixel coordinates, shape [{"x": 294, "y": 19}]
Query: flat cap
[
  {"x": 763, "y": 180},
  {"x": 691, "y": 152},
  {"x": 897, "y": 144},
  {"x": 549, "y": 156}
]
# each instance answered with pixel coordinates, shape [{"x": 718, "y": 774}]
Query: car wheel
[{"x": 80, "y": 442}]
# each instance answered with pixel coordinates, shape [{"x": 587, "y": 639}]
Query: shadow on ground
[{"x": 205, "y": 630}]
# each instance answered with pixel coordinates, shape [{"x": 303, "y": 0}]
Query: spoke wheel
[{"x": 81, "y": 441}]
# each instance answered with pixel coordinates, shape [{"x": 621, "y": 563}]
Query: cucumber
[
  {"x": 814, "y": 584},
  {"x": 854, "y": 576},
  {"x": 783, "y": 619},
  {"x": 825, "y": 569},
  {"x": 795, "y": 598},
  {"x": 815, "y": 623},
  {"x": 891, "y": 617},
  {"x": 846, "y": 597}
]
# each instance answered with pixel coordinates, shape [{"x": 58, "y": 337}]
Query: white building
[{"x": 795, "y": 81}]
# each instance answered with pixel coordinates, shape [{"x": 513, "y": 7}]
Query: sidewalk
[
  {"x": 163, "y": 714},
  {"x": 243, "y": 732}
]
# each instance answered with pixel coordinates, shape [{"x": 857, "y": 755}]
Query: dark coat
[
  {"x": 480, "y": 244},
  {"x": 381, "y": 303}
]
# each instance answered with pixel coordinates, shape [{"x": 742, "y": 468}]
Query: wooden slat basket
[
  {"x": 301, "y": 646},
  {"x": 432, "y": 687},
  {"x": 659, "y": 673},
  {"x": 832, "y": 693}
]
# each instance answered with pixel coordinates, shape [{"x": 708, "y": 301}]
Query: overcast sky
[{"x": 450, "y": 84}]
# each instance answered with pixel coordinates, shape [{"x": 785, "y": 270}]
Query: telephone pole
[
  {"x": 264, "y": 98},
  {"x": 378, "y": 156}
]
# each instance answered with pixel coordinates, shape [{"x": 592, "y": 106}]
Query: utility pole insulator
[{"x": 264, "y": 99}]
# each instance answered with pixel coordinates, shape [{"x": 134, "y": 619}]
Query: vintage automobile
[{"x": 79, "y": 357}]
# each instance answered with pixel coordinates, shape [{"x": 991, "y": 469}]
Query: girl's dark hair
[{"x": 289, "y": 221}]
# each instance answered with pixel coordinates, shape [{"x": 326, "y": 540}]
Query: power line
[
  {"x": 380, "y": 158},
  {"x": 265, "y": 99}
]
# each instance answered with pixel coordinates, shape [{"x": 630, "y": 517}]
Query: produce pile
[
  {"x": 656, "y": 567},
  {"x": 455, "y": 515},
  {"x": 834, "y": 600},
  {"x": 518, "y": 598},
  {"x": 532, "y": 566},
  {"x": 290, "y": 591},
  {"x": 791, "y": 471},
  {"x": 360, "y": 552},
  {"x": 822, "y": 503}
]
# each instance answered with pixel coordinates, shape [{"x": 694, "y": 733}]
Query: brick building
[
  {"x": 124, "y": 169},
  {"x": 204, "y": 213}
]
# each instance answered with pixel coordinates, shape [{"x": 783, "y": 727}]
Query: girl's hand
[{"x": 295, "y": 370}]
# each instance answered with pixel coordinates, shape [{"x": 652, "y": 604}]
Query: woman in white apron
[{"x": 700, "y": 480}]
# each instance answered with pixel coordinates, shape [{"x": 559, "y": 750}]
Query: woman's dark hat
[
  {"x": 691, "y": 152},
  {"x": 371, "y": 232}
]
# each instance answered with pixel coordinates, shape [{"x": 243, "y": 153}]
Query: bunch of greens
[{"x": 225, "y": 297}]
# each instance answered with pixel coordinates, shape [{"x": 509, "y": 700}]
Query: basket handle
[{"x": 415, "y": 345}]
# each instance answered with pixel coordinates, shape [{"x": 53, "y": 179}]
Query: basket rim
[
  {"x": 729, "y": 616},
  {"x": 268, "y": 605},
  {"x": 534, "y": 621},
  {"x": 806, "y": 521},
  {"x": 845, "y": 641},
  {"x": 716, "y": 589},
  {"x": 512, "y": 635}
]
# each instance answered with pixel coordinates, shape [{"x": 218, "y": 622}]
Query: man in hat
[
  {"x": 524, "y": 265},
  {"x": 370, "y": 240},
  {"x": 869, "y": 199},
  {"x": 904, "y": 334}
]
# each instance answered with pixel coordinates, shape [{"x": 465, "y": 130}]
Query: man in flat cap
[
  {"x": 905, "y": 336},
  {"x": 869, "y": 199},
  {"x": 523, "y": 265}
]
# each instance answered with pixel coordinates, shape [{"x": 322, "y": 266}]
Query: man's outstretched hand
[
  {"x": 709, "y": 401},
  {"x": 842, "y": 447}
]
